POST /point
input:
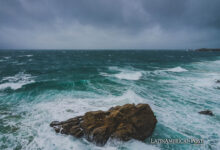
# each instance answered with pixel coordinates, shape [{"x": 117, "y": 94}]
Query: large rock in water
[
  {"x": 207, "y": 112},
  {"x": 120, "y": 122}
]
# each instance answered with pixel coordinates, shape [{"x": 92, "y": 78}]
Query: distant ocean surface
[{"x": 40, "y": 86}]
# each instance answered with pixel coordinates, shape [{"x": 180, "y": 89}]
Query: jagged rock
[
  {"x": 207, "y": 112},
  {"x": 120, "y": 122}
]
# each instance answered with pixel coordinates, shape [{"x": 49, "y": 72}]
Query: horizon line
[{"x": 97, "y": 49}]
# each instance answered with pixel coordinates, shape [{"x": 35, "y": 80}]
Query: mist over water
[{"x": 40, "y": 86}]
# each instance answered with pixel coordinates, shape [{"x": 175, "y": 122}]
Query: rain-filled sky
[{"x": 109, "y": 24}]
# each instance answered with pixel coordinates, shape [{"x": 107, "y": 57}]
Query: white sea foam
[
  {"x": 207, "y": 80},
  {"x": 177, "y": 69},
  {"x": 25, "y": 56},
  {"x": 124, "y": 73},
  {"x": 16, "y": 82},
  {"x": 13, "y": 86},
  {"x": 37, "y": 118},
  {"x": 7, "y": 57},
  {"x": 114, "y": 68},
  {"x": 104, "y": 74},
  {"x": 129, "y": 75},
  {"x": 176, "y": 111}
]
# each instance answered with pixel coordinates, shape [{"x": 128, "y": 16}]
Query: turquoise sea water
[{"x": 40, "y": 86}]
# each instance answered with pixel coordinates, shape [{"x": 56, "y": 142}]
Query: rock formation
[
  {"x": 120, "y": 122},
  {"x": 207, "y": 112},
  {"x": 208, "y": 50}
]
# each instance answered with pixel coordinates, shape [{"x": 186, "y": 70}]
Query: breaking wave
[
  {"x": 124, "y": 74},
  {"x": 177, "y": 69},
  {"x": 17, "y": 81}
]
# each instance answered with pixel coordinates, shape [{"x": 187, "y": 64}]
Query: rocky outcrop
[
  {"x": 207, "y": 112},
  {"x": 208, "y": 50},
  {"x": 121, "y": 122}
]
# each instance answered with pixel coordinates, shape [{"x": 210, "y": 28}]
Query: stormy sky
[{"x": 109, "y": 24}]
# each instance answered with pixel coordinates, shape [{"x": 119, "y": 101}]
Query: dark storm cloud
[
  {"x": 193, "y": 13},
  {"x": 109, "y": 23}
]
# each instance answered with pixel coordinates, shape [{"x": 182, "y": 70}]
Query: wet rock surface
[
  {"x": 206, "y": 112},
  {"x": 121, "y": 122}
]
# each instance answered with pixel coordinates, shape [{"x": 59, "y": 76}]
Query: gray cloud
[{"x": 109, "y": 24}]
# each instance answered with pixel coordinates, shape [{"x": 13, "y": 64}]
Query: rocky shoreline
[
  {"x": 125, "y": 122},
  {"x": 208, "y": 50}
]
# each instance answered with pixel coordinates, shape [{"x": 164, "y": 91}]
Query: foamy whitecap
[
  {"x": 7, "y": 57},
  {"x": 104, "y": 74},
  {"x": 114, "y": 68},
  {"x": 208, "y": 80},
  {"x": 13, "y": 86},
  {"x": 129, "y": 75},
  {"x": 16, "y": 82},
  {"x": 124, "y": 73},
  {"x": 177, "y": 69},
  {"x": 26, "y": 56}
]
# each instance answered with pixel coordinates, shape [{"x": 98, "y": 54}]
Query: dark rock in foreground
[
  {"x": 218, "y": 81},
  {"x": 121, "y": 122},
  {"x": 207, "y": 112}
]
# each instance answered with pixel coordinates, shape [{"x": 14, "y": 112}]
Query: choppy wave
[
  {"x": 29, "y": 55},
  {"x": 129, "y": 75},
  {"x": 177, "y": 69},
  {"x": 16, "y": 81},
  {"x": 25, "y": 55},
  {"x": 124, "y": 73},
  {"x": 37, "y": 117},
  {"x": 175, "y": 96},
  {"x": 7, "y": 57}
]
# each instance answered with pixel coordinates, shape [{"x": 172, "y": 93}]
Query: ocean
[{"x": 40, "y": 86}]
